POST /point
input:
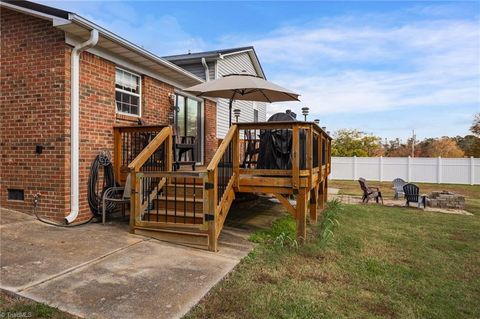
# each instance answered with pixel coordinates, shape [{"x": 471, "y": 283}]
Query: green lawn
[
  {"x": 383, "y": 262},
  {"x": 17, "y": 307},
  {"x": 353, "y": 188}
]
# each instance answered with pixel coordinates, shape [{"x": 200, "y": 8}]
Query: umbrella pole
[{"x": 230, "y": 113}]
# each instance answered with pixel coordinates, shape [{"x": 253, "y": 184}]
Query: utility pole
[{"x": 413, "y": 143}]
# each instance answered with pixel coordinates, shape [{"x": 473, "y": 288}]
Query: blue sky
[{"x": 382, "y": 67}]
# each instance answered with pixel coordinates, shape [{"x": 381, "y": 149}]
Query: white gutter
[
  {"x": 31, "y": 12},
  {"x": 132, "y": 47},
  {"x": 234, "y": 53},
  {"x": 75, "y": 124},
  {"x": 207, "y": 73}
]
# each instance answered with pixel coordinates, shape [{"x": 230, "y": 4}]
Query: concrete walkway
[{"x": 98, "y": 271}]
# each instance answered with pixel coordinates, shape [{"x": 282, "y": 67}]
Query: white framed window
[{"x": 128, "y": 92}]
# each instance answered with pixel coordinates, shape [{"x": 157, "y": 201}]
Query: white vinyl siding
[
  {"x": 199, "y": 70},
  {"x": 237, "y": 63}
]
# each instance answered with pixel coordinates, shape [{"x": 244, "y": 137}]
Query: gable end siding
[
  {"x": 237, "y": 63},
  {"x": 199, "y": 70}
]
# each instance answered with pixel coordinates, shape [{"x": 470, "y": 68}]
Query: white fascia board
[
  {"x": 121, "y": 62},
  {"x": 33, "y": 13},
  {"x": 236, "y": 52},
  {"x": 256, "y": 64},
  {"x": 132, "y": 47},
  {"x": 57, "y": 22},
  {"x": 253, "y": 58}
]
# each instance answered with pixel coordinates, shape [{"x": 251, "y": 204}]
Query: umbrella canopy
[{"x": 244, "y": 87}]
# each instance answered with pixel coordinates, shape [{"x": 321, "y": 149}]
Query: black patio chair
[
  {"x": 369, "y": 192},
  {"x": 117, "y": 196},
  {"x": 398, "y": 187},
  {"x": 251, "y": 149},
  {"x": 412, "y": 195},
  {"x": 182, "y": 145}
]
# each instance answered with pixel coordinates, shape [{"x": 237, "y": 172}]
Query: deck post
[
  {"x": 134, "y": 198},
  {"x": 313, "y": 204},
  {"x": 117, "y": 153},
  {"x": 319, "y": 156},
  {"x": 169, "y": 151},
  {"x": 212, "y": 203},
  {"x": 321, "y": 196},
  {"x": 295, "y": 157},
  {"x": 302, "y": 215},
  {"x": 325, "y": 190},
  {"x": 309, "y": 146},
  {"x": 236, "y": 157}
]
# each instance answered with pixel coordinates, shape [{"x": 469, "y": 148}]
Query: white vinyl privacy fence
[{"x": 418, "y": 169}]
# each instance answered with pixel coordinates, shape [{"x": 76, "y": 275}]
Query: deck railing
[
  {"x": 302, "y": 149},
  {"x": 195, "y": 204},
  {"x": 155, "y": 157},
  {"x": 129, "y": 142},
  {"x": 222, "y": 176}
]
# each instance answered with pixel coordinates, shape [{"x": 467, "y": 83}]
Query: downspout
[
  {"x": 205, "y": 66},
  {"x": 75, "y": 124}
]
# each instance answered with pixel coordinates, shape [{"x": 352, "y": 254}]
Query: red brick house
[{"x": 65, "y": 83}]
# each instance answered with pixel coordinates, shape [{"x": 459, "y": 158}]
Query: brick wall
[
  {"x": 98, "y": 116},
  {"x": 35, "y": 109},
  {"x": 32, "y": 111}
]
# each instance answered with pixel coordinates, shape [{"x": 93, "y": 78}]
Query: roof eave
[
  {"x": 67, "y": 18},
  {"x": 127, "y": 44}
]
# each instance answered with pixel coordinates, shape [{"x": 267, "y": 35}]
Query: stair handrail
[
  {"x": 165, "y": 133},
  {"x": 216, "y": 205},
  {"x": 222, "y": 148},
  {"x": 136, "y": 205}
]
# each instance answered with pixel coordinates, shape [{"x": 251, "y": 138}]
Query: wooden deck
[{"x": 190, "y": 207}]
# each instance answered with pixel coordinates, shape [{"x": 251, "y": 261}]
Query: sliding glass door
[{"x": 188, "y": 122}]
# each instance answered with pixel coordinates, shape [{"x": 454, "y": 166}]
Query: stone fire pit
[{"x": 446, "y": 199}]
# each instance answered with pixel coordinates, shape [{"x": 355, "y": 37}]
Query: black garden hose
[
  {"x": 94, "y": 192},
  {"x": 36, "y": 198}
]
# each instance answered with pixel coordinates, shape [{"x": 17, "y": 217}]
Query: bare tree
[{"x": 475, "y": 128}]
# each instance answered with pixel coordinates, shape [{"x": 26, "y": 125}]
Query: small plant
[
  {"x": 284, "y": 240},
  {"x": 284, "y": 226},
  {"x": 329, "y": 222}
]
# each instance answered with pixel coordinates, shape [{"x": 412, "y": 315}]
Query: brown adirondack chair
[{"x": 369, "y": 192}]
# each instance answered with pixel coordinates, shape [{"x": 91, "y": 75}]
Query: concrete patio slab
[
  {"x": 99, "y": 271},
  {"x": 148, "y": 280},
  {"x": 8, "y": 217},
  {"x": 33, "y": 252}
]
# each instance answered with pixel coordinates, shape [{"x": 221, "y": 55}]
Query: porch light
[
  {"x": 171, "y": 98},
  {"x": 236, "y": 113},
  {"x": 305, "y": 111},
  {"x": 317, "y": 121}
]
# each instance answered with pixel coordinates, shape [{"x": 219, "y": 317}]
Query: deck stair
[{"x": 190, "y": 207}]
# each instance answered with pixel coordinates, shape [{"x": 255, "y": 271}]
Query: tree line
[{"x": 351, "y": 142}]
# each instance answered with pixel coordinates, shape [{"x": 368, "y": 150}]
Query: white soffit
[{"x": 116, "y": 49}]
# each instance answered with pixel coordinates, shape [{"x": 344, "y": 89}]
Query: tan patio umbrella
[{"x": 244, "y": 87}]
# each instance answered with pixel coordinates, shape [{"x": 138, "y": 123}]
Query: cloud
[
  {"x": 420, "y": 59},
  {"x": 347, "y": 68},
  {"x": 160, "y": 34}
]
